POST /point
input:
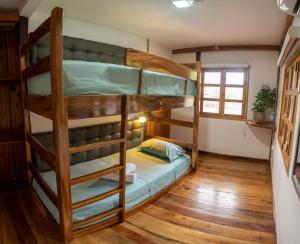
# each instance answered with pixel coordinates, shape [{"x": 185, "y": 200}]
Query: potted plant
[
  {"x": 270, "y": 105},
  {"x": 264, "y": 99}
]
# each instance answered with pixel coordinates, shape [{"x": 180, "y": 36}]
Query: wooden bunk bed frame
[{"x": 60, "y": 109}]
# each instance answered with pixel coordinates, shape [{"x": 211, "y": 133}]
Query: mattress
[
  {"x": 94, "y": 78},
  {"x": 153, "y": 175}
]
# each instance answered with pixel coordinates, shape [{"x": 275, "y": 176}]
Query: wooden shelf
[
  {"x": 8, "y": 81},
  {"x": 11, "y": 138},
  {"x": 266, "y": 125}
]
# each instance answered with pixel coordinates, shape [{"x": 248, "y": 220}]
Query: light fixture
[
  {"x": 142, "y": 119},
  {"x": 183, "y": 3},
  {"x": 284, "y": 7}
]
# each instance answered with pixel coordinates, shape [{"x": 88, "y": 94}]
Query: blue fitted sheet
[
  {"x": 94, "y": 78},
  {"x": 153, "y": 175}
]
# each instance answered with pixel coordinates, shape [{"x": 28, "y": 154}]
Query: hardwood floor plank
[
  {"x": 23, "y": 228},
  {"x": 214, "y": 217},
  {"x": 227, "y": 200},
  {"x": 130, "y": 234},
  {"x": 175, "y": 232},
  {"x": 224, "y": 198},
  {"x": 207, "y": 227},
  {"x": 150, "y": 236},
  {"x": 110, "y": 236},
  {"x": 34, "y": 218}
]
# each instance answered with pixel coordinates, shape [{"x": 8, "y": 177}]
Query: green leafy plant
[{"x": 265, "y": 98}]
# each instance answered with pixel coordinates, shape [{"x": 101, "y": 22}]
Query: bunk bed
[{"x": 66, "y": 78}]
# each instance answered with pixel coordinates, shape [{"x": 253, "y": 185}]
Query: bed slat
[
  {"x": 97, "y": 226},
  {"x": 40, "y": 105},
  {"x": 43, "y": 152},
  {"x": 96, "y": 174},
  {"x": 46, "y": 188},
  {"x": 93, "y": 106},
  {"x": 41, "y": 66},
  {"x": 98, "y": 106},
  {"x": 96, "y": 198},
  {"x": 97, "y": 217},
  {"x": 140, "y": 103},
  {"x": 95, "y": 145},
  {"x": 41, "y": 31}
]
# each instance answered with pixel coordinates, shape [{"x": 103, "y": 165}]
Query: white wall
[
  {"x": 95, "y": 32},
  {"x": 229, "y": 136},
  {"x": 287, "y": 204}
]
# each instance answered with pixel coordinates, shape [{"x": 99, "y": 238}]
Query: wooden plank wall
[
  {"x": 13, "y": 172},
  {"x": 156, "y": 129}
]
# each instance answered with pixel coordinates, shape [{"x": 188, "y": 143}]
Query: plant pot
[
  {"x": 259, "y": 117},
  {"x": 269, "y": 114}
]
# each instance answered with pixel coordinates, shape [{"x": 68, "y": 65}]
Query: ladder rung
[
  {"x": 96, "y": 198},
  {"x": 44, "y": 185},
  {"x": 42, "y": 151},
  {"x": 95, "y": 145},
  {"x": 97, "y": 217},
  {"x": 96, "y": 174},
  {"x": 95, "y": 227}
]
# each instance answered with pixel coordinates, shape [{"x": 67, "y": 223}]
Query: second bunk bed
[{"x": 66, "y": 78}]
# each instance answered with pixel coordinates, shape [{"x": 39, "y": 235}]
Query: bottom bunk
[{"x": 153, "y": 174}]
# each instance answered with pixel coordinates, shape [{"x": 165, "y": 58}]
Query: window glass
[
  {"x": 211, "y": 92},
  {"x": 233, "y": 108},
  {"x": 212, "y": 77},
  {"x": 210, "y": 106},
  {"x": 234, "y": 78},
  {"x": 234, "y": 93}
]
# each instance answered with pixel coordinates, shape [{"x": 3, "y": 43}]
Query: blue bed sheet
[
  {"x": 153, "y": 175},
  {"x": 94, "y": 78}
]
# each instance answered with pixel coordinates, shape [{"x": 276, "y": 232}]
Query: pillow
[{"x": 161, "y": 149}]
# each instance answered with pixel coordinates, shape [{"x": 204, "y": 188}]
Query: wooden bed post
[
  {"x": 123, "y": 146},
  {"x": 196, "y": 113},
  {"x": 60, "y": 126}
]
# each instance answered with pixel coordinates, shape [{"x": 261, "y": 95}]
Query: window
[
  {"x": 288, "y": 110},
  {"x": 224, "y": 93}
]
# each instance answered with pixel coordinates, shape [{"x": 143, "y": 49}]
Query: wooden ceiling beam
[
  {"x": 9, "y": 18},
  {"x": 288, "y": 23},
  {"x": 227, "y": 48}
]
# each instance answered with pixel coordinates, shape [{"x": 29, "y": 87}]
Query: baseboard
[{"x": 233, "y": 157}]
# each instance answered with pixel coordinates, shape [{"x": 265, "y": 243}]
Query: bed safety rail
[
  {"x": 96, "y": 198},
  {"x": 97, "y": 217},
  {"x": 97, "y": 174},
  {"x": 99, "y": 106},
  {"x": 46, "y": 188}
]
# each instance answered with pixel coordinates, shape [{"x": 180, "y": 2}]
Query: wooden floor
[{"x": 226, "y": 201}]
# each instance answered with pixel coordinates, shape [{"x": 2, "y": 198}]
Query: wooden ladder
[{"x": 79, "y": 227}]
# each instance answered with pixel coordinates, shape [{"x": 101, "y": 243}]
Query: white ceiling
[{"x": 214, "y": 22}]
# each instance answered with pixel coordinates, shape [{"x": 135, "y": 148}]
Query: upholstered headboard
[
  {"x": 83, "y": 135},
  {"x": 80, "y": 49}
]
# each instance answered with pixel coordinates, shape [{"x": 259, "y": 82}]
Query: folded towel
[
  {"x": 130, "y": 177},
  {"x": 130, "y": 174},
  {"x": 130, "y": 167}
]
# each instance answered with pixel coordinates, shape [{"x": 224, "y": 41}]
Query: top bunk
[{"x": 92, "y": 77}]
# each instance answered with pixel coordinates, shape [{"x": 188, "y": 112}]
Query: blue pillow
[{"x": 161, "y": 149}]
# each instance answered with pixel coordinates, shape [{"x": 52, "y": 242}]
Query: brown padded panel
[
  {"x": 84, "y": 135},
  {"x": 80, "y": 49}
]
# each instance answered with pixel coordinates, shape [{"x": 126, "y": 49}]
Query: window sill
[{"x": 225, "y": 117}]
